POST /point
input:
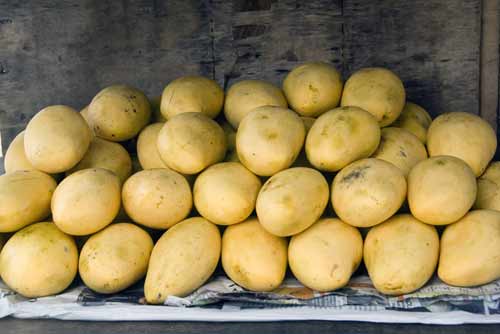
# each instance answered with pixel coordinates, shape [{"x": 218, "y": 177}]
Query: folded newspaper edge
[{"x": 223, "y": 300}]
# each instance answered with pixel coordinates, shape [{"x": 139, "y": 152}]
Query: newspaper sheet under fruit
[{"x": 222, "y": 300}]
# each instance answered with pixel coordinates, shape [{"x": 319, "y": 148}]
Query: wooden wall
[{"x": 63, "y": 52}]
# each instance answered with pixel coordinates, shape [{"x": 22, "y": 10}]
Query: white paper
[{"x": 291, "y": 301}]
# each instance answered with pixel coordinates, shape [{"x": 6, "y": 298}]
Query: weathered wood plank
[
  {"x": 63, "y": 52},
  {"x": 432, "y": 44},
  {"x": 42, "y": 326},
  {"x": 489, "y": 61},
  {"x": 265, "y": 39}
]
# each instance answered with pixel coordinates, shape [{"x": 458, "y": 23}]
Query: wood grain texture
[
  {"x": 16, "y": 326},
  {"x": 433, "y": 45},
  {"x": 266, "y": 39},
  {"x": 64, "y": 52},
  {"x": 489, "y": 61}
]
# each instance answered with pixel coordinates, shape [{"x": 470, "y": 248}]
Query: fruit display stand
[{"x": 446, "y": 53}]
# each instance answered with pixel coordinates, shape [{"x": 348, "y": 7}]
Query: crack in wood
[
  {"x": 3, "y": 69},
  {"x": 342, "y": 45},
  {"x": 252, "y": 5},
  {"x": 212, "y": 46},
  {"x": 249, "y": 30},
  {"x": 489, "y": 62},
  {"x": 158, "y": 9}
]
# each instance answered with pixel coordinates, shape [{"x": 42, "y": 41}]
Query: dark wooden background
[{"x": 63, "y": 52}]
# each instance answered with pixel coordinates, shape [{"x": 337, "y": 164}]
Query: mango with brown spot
[
  {"x": 190, "y": 142},
  {"x": 341, "y": 136},
  {"x": 313, "y": 88},
  {"x": 401, "y": 148},
  {"x": 86, "y": 201},
  {"x": 269, "y": 139},
  {"x": 415, "y": 119},
  {"x": 246, "y": 95},
  {"x": 118, "y": 112},
  {"x": 115, "y": 258},
  {"x": 292, "y": 200},
  {"x": 368, "y": 191},
  {"x": 157, "y": 198}
]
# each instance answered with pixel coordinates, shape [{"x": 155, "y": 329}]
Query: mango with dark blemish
[
  {"x": 267, "y": 146},
  {"x": 401, "y": 148},
  {"x": 108, "y": 112},
  {"x": 86, "y": 201},
  {"x": 368, "y": 191},
  {"x": 115, "y": 258},
  {"x": 292, "y": 200},
  {"x": 341, "y": 136},
  {"x": 415, "y": 119},
  {"x": 157, "y": 198},
  {"x": 246, "y": 95},
  {"x": 313, "y": 88}
]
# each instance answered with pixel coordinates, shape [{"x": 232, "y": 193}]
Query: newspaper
[{"x": 222, "y": 300}]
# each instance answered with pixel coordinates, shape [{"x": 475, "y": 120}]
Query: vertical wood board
[{"x": 64, "y": 52}]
